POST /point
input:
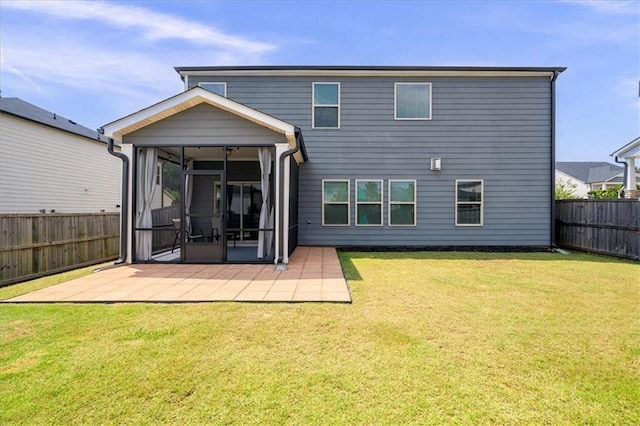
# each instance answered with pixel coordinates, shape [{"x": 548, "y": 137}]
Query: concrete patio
[{"x": 314, "y": 275}]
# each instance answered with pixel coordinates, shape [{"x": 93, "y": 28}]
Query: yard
[{"x": 430, "y": 338}]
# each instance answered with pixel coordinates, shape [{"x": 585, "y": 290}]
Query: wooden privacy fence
[
  {"x": 33, "y": 245},
  {"x": 601, "y": 226},
  {"x": 164, "y": 233}
]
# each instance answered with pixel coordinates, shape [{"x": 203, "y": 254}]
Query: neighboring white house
[
  {"x": 588, "y": 176},
  {"x": 630, "y": 153},
  {"x": 50, "y": 163}
]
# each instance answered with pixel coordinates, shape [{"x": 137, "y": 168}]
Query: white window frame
[
  {"x": 395, "y": 101},
  {"x": 381, "y": 202},
  {"x": 480, "y": 203},
  {"x": 348, "y": 202},
  {"x": 414, "y": 202},
  {"x": 313, "y": 104},
  {"x": 215, "y": 82}
]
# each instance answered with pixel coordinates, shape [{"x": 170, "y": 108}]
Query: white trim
[
  {"x": 348, "y": 202},
  {"x": 370, "y": 73},
  {"x": 285, "y": 222},
  {"x": 414, "y": 202},
  {"x": 186, "y": 82},
  {"x": 381, "y": 202},
  {"x": 313, "y": 104},
  {"x": 395, "y": 100},
  {"x": 481, "y": 203},
  {"x": 189, "y": 99},
  {"x": 224, "y": 85}
]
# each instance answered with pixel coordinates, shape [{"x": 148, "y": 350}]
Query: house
[
  {"x": 49, "y": 163},
  {"x": 628, "y": 154},
  {"x": 276, "y": 156},
  {"x": 588, "y": 176}
]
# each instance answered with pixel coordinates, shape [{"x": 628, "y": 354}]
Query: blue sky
[{"x": 95, "y": 62}]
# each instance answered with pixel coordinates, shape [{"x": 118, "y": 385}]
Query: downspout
[
  {"x": 125, "y": 199},
  {"x": 280, "y": 266},
  {"x": 626, "y": 170},
  {"x": 553, "y": 158}
]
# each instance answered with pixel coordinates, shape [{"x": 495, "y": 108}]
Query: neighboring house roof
[
  {"x": 590, "y": 171},
  {"x": 19, "y": 108},
  {"x": 632, "y": 149}
]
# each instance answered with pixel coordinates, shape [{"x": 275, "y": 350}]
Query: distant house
[
  {"x": 391, "y": 156},
  {"x": 629, "y": 154},
  {"x": 52, "y": 164},
  {"x": 588, "y": 175}
]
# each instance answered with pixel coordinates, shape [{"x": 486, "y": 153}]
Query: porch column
[
  {"x": 282, "y": 177},
  {"x": 127, "y": 149}
]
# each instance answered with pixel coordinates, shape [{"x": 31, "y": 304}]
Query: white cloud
[
  {"x": 610, "y": 7},
  {"x": 152, "y": 25}
]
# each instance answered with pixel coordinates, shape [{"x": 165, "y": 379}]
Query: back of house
[{"x": 384, "y": 156}]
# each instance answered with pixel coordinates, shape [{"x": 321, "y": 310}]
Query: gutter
[
  {"x": 280, "y": 266},
  {"x": 553, "y": 157},
  {"x": 125, "y": 199},
  {"x": 625, "y": 175}
]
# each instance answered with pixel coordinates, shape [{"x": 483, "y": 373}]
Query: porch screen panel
[{"x": 146, "y": 180}]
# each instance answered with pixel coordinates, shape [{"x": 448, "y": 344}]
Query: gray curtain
[
  {"x": 146, "y": 180},
  {"x": 265, "y": 239},
  {"x": 188, "y": 196}
]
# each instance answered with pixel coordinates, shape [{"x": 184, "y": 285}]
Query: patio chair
[{"x": 190, "y": 238}]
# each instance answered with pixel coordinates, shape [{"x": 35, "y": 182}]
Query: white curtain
[
  {"x": 188, "y": 196},
  {"x": 265, "y": 238},
  {"x": 147, "y": 169}
]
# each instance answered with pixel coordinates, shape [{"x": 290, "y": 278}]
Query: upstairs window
[
  {"x": 402, "y": 202},
  {"x": 335, "y": 203},
  {"x": 217, "y": 88},
  {"x": 368, "y": 202},
  {"x": 326, "y": 105},
  {"x": 469, "y": 196},
  {"x": 413, "y": 101}
]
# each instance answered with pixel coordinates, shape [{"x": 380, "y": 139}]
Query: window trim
[
  {"x": 313, "y": 104},
  {"x": 214, "y": 82},
  {"x": 381, "y": 202},
  {"x": 395, "y": 101},
  {"x": 348, "y": 202},
  {"x": 481, "y": 203},
  {"x": 414, "y": 202}
]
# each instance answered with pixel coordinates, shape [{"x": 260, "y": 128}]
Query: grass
[{"x": 431, "y": 338}]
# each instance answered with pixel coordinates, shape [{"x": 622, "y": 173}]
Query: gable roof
[
  {"x": 632, "y": 149},
  {"x": 188, "y": 99},
  {"x": 590, "y": 171},
  {"x": 19, "y": 108}
]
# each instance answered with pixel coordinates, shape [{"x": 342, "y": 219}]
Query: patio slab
[{"x": 314, "y": 275}]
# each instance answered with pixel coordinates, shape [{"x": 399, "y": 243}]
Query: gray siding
[
  {"x": 495, "y": 129},
  {"x": 203, "y": 125}
]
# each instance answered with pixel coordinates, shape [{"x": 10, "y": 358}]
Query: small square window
[
  {"x": 413, "y": 101},
  {"x": 469, "y": 202},
  {"x": 217, "y": 88},
  {"x": 369, "y": 202},
  {"x": 402, "y": 202},
  {"x": 326, "y": 105},
  {"x": 335, "y": 203}
]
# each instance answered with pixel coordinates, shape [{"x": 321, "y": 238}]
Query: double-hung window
[
  {"x": 326, "y": 105},
  {"x": 402, "y": 202},
  {"x": 335, "y": 202},
  {"x": 413, "y": 101},
  {"x": 368, "y": 202},
  {"x": 217, "y": 88},
  {"x": 469, "y": 208}
]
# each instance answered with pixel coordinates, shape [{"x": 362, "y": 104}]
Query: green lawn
[{"x": 431, "y": 338}]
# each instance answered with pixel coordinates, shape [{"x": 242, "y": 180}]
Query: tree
[{"x": 566, "y": 190}]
